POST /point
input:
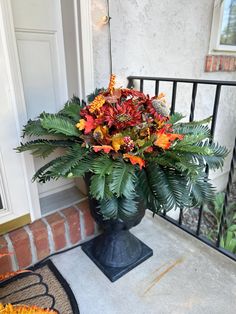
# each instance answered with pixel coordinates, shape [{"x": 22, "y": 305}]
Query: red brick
[
  {"x": 57, "y": 226},
  {"x": 221, "y": 64},
  {"x": 21, "y": 244},
  {"x": 208, "y": 64},
  {"x": 226, "y": 63},
  {"x": 88, "y": 219},
  {"x": 215, "y": 64},
  {"x": 40, "y": 237},
  {"x": 231, "y": 65},
  {"x": 73, "y": 220},
  {"x": 5, "y": 262}
]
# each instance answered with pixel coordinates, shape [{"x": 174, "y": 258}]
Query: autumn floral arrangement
[{"x": 131, "y": 147}]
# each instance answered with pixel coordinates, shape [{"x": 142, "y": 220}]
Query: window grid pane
[{"x": 228, "y": 28}]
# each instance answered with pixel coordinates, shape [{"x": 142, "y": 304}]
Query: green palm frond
[
  {"x": 118, "y": 208},
  {"x": 109, "y": 208},
  {"x": 34, "y": 128},
  {"x": 176, "y": 117},
  {"x": 43, "y": 148},
  {"x": 43, "y": 174},
  {"x": 102, "y": 165},
  {"x": 72, "y": 109},
  {"x": 146, "y": 190},
  {"x": 122, "y": 179},
  {"x": 201, "y": 191},
  {"x": 58, "y": 125},
  {"x": 81, "y": 168},
  {"x": 127, "y": 208},
  {"x": 69, "y": 161},
  {"x": 192, "y": 129},
  {"x": 99, "y": 187}
]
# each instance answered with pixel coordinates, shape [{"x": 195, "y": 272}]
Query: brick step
[{"x": 60, "y": 230}]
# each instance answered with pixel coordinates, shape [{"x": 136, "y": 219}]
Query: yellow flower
[
  {"x": 117, "y": 141},
  {"x": 81, "y": 124},
  {"x": 97, "y": 103},
  {"x": 100, "y": 132}
]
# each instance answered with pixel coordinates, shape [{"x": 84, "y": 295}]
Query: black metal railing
[{"x": 194, "y": 84}]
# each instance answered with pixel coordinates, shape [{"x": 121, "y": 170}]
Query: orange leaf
[
  {"x": 89, "y": 124},
  {"x": 135, "y": 160},
  {"x": 105, "y": 148},
  {"x": 163, "y": 141}
]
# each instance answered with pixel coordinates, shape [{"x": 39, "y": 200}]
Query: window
[{"x": 223, "y": 35}]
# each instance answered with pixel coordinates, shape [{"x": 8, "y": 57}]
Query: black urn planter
[{"x": 116, "y": 251}]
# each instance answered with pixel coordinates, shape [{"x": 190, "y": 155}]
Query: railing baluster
[
  {"x": 130, "y": 83},
  {"x": 156, "y": 88},
  {"x": 192, "y": 109},
  {"x": 180, "y": 215},
  {"x": 194, "y": 85},
  {"x": 213, "y": 125},
  {"x": 227, "y": 192},
  {"x": 174, "y": 90},
  {"x": 141, "y": 85},
  {"x": 215, "y": 110}
]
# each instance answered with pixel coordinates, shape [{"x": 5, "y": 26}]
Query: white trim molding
[
  {"x": 84, "y": 43},
  {"x": 215, "y": 47}
]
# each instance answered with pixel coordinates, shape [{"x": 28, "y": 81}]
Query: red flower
[{"x": 123, "y": 115}]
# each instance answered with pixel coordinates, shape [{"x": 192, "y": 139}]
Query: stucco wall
[{"x": 164, "y": 38}]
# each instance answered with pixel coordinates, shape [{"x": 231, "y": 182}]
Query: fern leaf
[
  {"x": 201, "y": 191},
  {"x": 176, "y": 117},
  {"x": 123, "y": 179},
  {"x": 58, "y": 125},
  {"x": 102, "y": 165},
  {"x": 34, "y": 128},
  {"x": 43, "y": 174},
  {"x": 145, "y": 189},
  {"x": 99, "y": 188},
  {"x": 109, "y": 208},
  {"x": 127, "y": 208},
  {"x": 43, "y": 148},
  {"x": 71, "y": 110}
]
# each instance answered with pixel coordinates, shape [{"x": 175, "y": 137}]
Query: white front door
[
  {"x": 39, "y": 34},
  {"x": 39, "y": 70}
]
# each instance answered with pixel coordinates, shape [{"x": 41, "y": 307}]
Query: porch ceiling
[{"x": 183, "y": 276}]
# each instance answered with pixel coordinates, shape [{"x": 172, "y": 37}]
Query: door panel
[{"x": 40, "y": 43}]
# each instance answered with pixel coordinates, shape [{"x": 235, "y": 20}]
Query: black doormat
[{"x": 44, "y": 287}]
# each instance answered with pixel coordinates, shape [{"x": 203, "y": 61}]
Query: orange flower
[
  {"x": 135, "y": 160},
  {"x": 97, "y": 103},
  {"x": 81, "y": 124},
  {"x": 105, "y": 148},
  {"x": 112, "y": 83}
]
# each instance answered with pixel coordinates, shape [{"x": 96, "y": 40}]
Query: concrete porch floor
[{"x": 184, "y": 276}]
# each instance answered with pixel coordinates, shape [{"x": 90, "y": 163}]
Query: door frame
[{"x": 82, "y": 11}]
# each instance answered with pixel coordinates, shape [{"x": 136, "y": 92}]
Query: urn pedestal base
[{"x": 116, "y": 254}]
